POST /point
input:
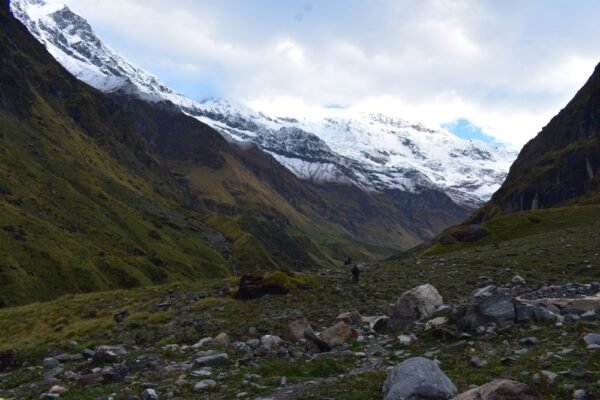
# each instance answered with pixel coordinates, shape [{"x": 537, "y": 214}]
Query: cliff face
[{"x": 561, "y": 163}]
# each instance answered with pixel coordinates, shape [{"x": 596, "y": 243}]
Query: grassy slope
[
  {"x": 534, "y": 223},
  {"x": 557, "y": 255},
  {"x": 80, "y": 223}
]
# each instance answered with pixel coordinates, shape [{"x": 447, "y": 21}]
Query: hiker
[
  {"x": 347, "y": 262},
  {"x": 355, "y": 273}
]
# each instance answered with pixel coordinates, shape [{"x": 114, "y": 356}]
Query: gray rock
[
  {"x": 418, "y": 378},
  {"x": 297, "y": 328},
  {"x": 271, "y": 342},
  {"x": 149, "y": 394},
  {"x": 518, "y": 280},
  {"x": 549, "y": 376},
  {"x": 498, "y": 309},
  {"x": 526, "y": 313},
  {"x": 592, "y": 338},
  {"x": 415, "y": 304},
  {"x": 204, "y": 384},
  {"x": 484, "y": 291},
  {"x": 589, "y": 315},
  {"x": 478, "y": 362},
  {"x": 320, "y": 343},
  {"x": 500, "y": 389},
  {"x": 211, "y": 358},
  {"x": 529, "y": 341},
  {"x": 351, "y": 318},
  {"x": 88, "y": 353},
  {"x": 50, "y": 363},
  {"x": 379, "y": 325}
]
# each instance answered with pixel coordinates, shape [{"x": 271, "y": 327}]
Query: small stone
[
  {"x": 50, "y": 363},
  {"x": 339, "y": 334},
  {"x": 579, "y": 394},
  {"x": 149, "y": 394},
  {"x": 478, "y": 362},
  {"x": 58, "y": 389},
  {"x": 88, "y": 353},
  {"x": 49, "y": 396},
  {"x": 592, "y": 338},
  {"x": 405, "y": 340},
  {"x": 201, "y": 373},
  {"x": 271, "y": 342},
  {"x": 518, "y": 280},
  {"x": 204, "y": 384},
  {"x": 211, "y": 358},
  {"x": 588, "y": 315},
  {"x": 549, "y": 376},
  {"x": 222, "y": 339},
  {"x": 297, "y": 328},
  {"x": 484, "y": 291},
  {"x": 436, "y": 323},
  {"x": 529, "y": 341}
]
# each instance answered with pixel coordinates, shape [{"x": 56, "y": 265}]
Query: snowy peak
[{"x": 374, "y": 151}]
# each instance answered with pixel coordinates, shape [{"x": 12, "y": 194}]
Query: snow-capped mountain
[{"x": 373, "y": 151}]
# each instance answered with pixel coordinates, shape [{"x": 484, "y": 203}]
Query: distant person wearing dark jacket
[{"x": 355, "y": 273}]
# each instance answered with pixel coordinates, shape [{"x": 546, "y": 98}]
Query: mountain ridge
[{"x": 411, "y": 158}]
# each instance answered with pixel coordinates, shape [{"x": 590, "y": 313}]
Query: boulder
[
  {"x": 497, "y": 309},
  {"x": 149, "y": 394},
  {"x": 379, "y": 325},
  {"x": 50, "y": 363},
  {"x": 351, "y": 318},
  {"x": 526, "y": 313},
  {"x": 271, "y": 342},
  {"x": 320, "y": 343},
  {"x": 592, "y": 339},
  {"x": 222, "y": 339},
  {"x": 500, "y": 389},
  {"x": 417, "y": 378},
  {"x": 297, "y": 328},
  {"x": 339, "y": 334},
  {"x": 413, "y": 305},
  {"x": 204, "y": 385},
  {"x": 211, "y": 358},
  {"x": 254, "y": 285},
  {"x": 485, "y": 291}
]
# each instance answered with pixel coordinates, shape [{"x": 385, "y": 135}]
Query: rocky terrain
[{"x": 468, "y": 318}]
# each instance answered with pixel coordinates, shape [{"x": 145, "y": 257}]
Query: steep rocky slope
[{"x": 561, "y": 164}]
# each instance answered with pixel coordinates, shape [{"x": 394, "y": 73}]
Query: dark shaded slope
[
  {"x": 561, "y": 163},
  {"x": 84, "y": 203}
]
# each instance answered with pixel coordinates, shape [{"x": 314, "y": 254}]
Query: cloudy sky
[{"x": 500, "y": 69}]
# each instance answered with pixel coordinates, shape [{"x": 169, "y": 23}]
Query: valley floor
[{"x": 163, "y": 323}]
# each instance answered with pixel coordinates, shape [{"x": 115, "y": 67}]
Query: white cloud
[{"x": 507, "y": 66}]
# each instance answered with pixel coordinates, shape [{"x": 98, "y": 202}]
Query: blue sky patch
[{"x": 465, "y": 129}]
